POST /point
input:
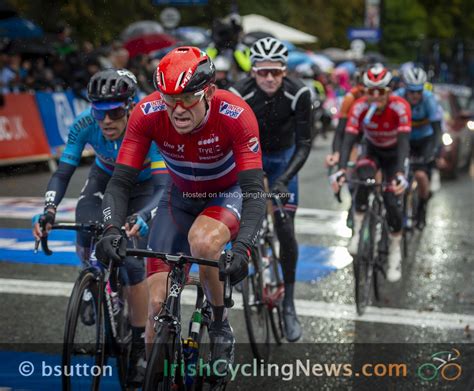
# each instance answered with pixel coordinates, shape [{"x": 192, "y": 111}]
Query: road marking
[
  {"x": 308, "y": 221},
  {"x": 308, "y": 308}
]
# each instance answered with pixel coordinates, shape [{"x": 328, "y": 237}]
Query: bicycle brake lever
[{"x": 44, "y": 246}]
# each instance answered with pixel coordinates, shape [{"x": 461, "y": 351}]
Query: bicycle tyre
[
  {"x": 165, "y": 353},
  {"x": 276, "y": 313},
  {"x": 123, "y": 341},
  {"x": 256, "y": 312},
  {"x": 87, "y": 280},
  {"x": 363, "y": 264}
]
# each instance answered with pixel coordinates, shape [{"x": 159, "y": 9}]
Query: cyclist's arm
[
  {"x": 57, "y": 185},
  {"x": 351, "y": 132},
  {"x": 341, "y": 125},
  {"x": 133, "y": 151},
  {"x": 253, "y": 206},
  {"x": 347, "y": 144},
  {"x": 303, "y": 137},
  {"x": 403, "y": 150},
  {"x": 250, "y": 176},
  {"x": 78, "y": 137}
]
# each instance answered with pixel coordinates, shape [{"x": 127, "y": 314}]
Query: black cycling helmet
[{"x": 112, "y": 85}]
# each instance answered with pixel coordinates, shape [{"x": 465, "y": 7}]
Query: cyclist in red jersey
[
  {"x": 209, "y": 140},
  {"x": 385, "y": 122}
]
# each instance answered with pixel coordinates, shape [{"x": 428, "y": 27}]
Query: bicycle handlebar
[
  {"x": 181, "y": 259},
  {"x": 95, "y": 228}
]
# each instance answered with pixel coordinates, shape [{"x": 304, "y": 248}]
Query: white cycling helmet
[
  {"x": 377, "y": 77},
  {"x": 269, "y": 49},
  {"x": 414, "y": 78}
]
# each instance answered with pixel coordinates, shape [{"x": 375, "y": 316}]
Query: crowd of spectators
[{"x": 63, "y": 64}]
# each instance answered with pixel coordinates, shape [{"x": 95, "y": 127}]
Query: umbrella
[
  {"x": 196, "y": 36},
  {"x": 296, "y": 58},
  {"x": 373, "y": 57},
  {"x": 6, "y": 10},
  {"x": 349, "y": 66},
  {"x": 148, "y": 43},
  {"x": 336, "y": 54},
  {"x": 322, "y": 61},
  {"x": 143, "y": 27},
  {"x": 249, "y": 38},
  {"x": 19, "y": 28}
]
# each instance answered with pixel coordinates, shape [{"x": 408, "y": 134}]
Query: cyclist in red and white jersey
[
  {"x": 385, "y": 122},
  {"x": 209, "y": 140}
]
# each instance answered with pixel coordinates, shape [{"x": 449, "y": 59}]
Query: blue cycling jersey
[
  {"x": 423, "y": 114},
  {"x": 86, "y": 130}
]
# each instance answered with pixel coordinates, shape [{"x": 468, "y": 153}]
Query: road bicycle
[
  {"x": 372, "y": 252},
  {"x": 176, "y": 363},
  {"x": 97, "y": 326},
  {"x": 263, "y": 289}
]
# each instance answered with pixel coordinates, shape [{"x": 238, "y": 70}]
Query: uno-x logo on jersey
[
  {"x": 107, "y": 213},
  {"x": 231, "y": 111},
  {"x": 253, "y": 144},
  {"x": 153, "y": 106}
]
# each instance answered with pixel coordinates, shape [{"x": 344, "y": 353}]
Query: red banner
[{"x": 22, "y": 136}]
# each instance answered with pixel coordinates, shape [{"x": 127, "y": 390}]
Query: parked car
[{"x": 458, "y": 126}]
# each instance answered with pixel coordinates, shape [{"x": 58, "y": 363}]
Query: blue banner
[
  {"x": 366, "y": 34},
  {"x": 58, "y": 110}
]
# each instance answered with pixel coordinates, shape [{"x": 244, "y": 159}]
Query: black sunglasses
[{"x": 113, "y": 114}]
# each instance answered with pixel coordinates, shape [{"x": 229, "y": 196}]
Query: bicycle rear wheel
[
  {"x": 84, "y": 334},
  {"x": 256, "y": 311},
  {"x": 363, "y": 264},
  {"x": 123, "y": 342},
  {"x": 163, "y": 370}
]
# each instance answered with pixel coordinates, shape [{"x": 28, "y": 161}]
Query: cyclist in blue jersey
[
  {"x": 103, "y": 127},
  {"x": 425, "y": 136}
]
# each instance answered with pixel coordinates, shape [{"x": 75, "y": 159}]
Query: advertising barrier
[{"x": 22, "y": 135}]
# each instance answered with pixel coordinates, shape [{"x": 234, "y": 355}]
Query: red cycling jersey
[
  {"x": 205, "y": 160},
  {"x": 382, "y": 129}
]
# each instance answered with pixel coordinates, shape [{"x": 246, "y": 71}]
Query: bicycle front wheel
[
  {"x": 84, "y": 334},
  {"x": 363, "y": 263},
  {"x": 256, "y": 313},
  {"x": 163, "y": 370}
]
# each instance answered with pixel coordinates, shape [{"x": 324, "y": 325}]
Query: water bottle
[
  {"x": 190, "y": 353},
  {"x": 196, "y": 321},
  {"x": 370, "y": 113}
]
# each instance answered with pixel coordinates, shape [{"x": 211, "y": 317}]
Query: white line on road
[{"x": 316, "y": 309}]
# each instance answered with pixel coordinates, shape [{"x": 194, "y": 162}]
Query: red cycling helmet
[
  {"x": 377, "y": 77},
  {"x": 184, "y": 69}
]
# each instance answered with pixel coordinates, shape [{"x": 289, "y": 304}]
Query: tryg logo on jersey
[
  {"x": 253, "y": 144},
  {"x": 231, "y": 111},
  {"x": 152, "y": 107}
]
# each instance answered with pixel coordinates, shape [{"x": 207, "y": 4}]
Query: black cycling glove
[
  {"x": 112, "y": 246},
  {"x": 239, "y": 266}
]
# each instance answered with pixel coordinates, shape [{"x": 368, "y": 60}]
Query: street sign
[
  {"x": 170, "y": 17},
  {"x": 366, "y": 34}
]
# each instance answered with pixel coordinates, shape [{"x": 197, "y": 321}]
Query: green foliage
[{"x": 404, "y": 22}]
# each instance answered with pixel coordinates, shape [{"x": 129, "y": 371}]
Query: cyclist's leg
[
  {"x": 213, "y": 228},
  {"x": 169, "y": 233},
  {"x": 137, "y": 290},
  {"x": 393, "y": 206},
  {"x": 88, "y": 208},
  {"x": 421, "y": 149},
  {"x": 366, "y": 167}
]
